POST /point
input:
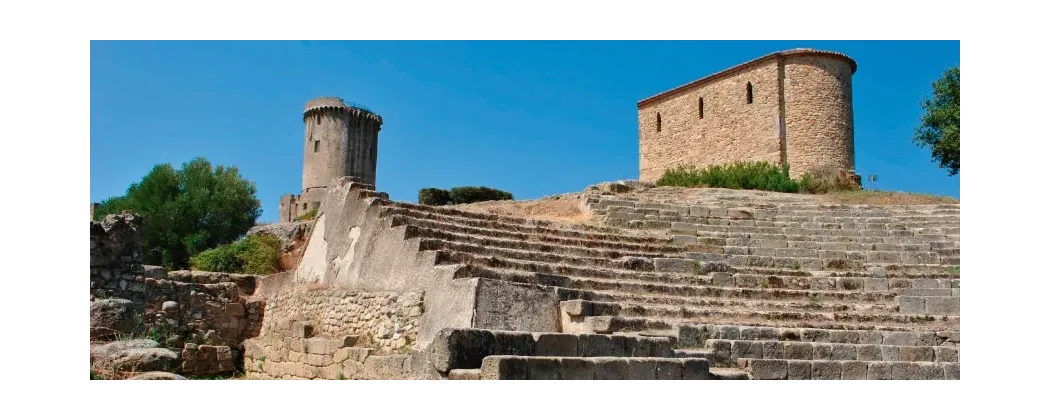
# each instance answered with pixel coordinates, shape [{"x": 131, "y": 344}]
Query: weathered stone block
[
  {"x": 576, "y": 369},
  {"x": 843, "y": 351},
  {"x": 854, "y": 370},
  {"x": 747, "y": 350},
  {"x": 504, "y": 368},
  {"x": 827, "y": 369},
  {"x": 460, "y": 348},
  {"x": 900, "y": 338},
  {"x": 542, "y": 368},
  {"x": 769, "y": 369},
  {"x": 822, "y": 351},
  {"x": 907, "y": 371},
  {"x": 799, "y": 369},
  {"x": 942, "y": 305},
  {"x": 773, "y": 350},
  {"x": 916, "y": 354},
  {"x": 798, "y": 351},
  {"x": 911, "y": 304},
  {"x": 560, "y": 345},
  {"x": 669, "y": 369},
  {"x": 869, "y": 352},
  {"x": 641, "y": 369},
  {"x": 841, "y": 336},
  {"x": 946, "y": 354},
  {"x": 610, "y": 368},
  {"x": 951, "y": 371},
  {"x": 696, "y": 369},
  {"x": 675, "y": 265},
  {"x": 597, "y": 345},
  {"x": 513, "y": 343}
]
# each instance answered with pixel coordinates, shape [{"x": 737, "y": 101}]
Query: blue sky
[{"x": 532, "y": 118}]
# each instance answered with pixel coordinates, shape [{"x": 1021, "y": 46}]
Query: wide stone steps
[
  {"x": 502, "y": 222},
  {"x": 606, "y": 314},
  {"x": 635, "y": 324},
  {"x": 728, "y": 352},
  {"x": 592, "y": 368},
  {"x": 814, "y": 303},
  {"x": 696, "y": 335},
  {"x": 639, "y": 282},
  {"x": 765, "y": 369},
  {"x": 584, "y": 249},
  {"x": 484, "y": 227}
]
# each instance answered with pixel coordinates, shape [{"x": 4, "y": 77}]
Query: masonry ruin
[{"x": 661, "y": 283}]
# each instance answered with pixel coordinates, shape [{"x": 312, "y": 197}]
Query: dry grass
[
  {"x": 566, "y": 209},
  {"x": 884, "y": 198}
]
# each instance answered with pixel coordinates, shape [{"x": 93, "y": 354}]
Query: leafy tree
[
  {"x": 188, "y": 210},
  {"x": 940, "y": 124}
]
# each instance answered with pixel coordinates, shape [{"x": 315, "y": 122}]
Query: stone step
[
  {"x": 835, "y": 369},
  {"x": 579, "y": 249},
  {"x": 696, "y": 335},
  {"x": 729, "y": 373},
  {"x": 584, "y": 368},
  {"x": 624, "y": 303},
  {"x": 667, "y": 286},
  {"x": 727, "y": 352},
  {"x": 603, "y": 312},
  {"x": 933, "y": 305},
  {"x": 464, "y": 348},
  {"x": 622, "y": 324},
  {"x": 626, "y": 262},
  {"x": 524, "y": 232},
  {"x": 467, "y": 217}
]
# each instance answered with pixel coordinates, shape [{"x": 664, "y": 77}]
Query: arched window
[
  {"x": 701, "y": 107},
  {"x": 658, "y": 122},
  {"x": 750, "y": 97}
]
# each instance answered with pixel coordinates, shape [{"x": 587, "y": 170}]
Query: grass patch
[
  {"x": 256, "y": 254},
  {"x": 738, "y": 175},
  {"x": 310, "y": 215}
]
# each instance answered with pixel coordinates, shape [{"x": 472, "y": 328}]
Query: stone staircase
[{"x": 761, "y": 286}]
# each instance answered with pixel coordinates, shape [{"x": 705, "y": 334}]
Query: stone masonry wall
[
  {"x": 731, "y": 129},
  {"x": 818, "y": 97},
  {"x": 316, "y": 333},
  {"x": 801, "y": 113},
  {"x": 202, "y": 308},
  {"x": 386, "y": 322}
]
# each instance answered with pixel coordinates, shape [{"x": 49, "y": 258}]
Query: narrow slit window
[
  {"x": 700, "y": 108},
  {"x": 317, "y": 145},
  {"x": 659, "y": 123},
  {"x": 317, "y": 118},
  {"x": 750, "y": 96}
]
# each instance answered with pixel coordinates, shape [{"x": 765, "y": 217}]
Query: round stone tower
[{"x": 341, "y": 140}]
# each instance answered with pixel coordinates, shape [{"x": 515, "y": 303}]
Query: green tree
[
  {"x": 940, "y": 123},
  {"x": 188, "y": 210}
]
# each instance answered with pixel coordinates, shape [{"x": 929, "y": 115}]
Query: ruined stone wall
[
  {"x": 196, "y": 307},
  {"x": 731, "y": 129},
  {"x": 386, "y": 322},
  {"x": 818, "y": 97},
  {"x": 310, "y": 332}
]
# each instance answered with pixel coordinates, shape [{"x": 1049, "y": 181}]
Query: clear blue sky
[{"x": 532, "y": 118}]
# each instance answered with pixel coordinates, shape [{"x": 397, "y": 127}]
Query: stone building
[
  {"x": 341, "y": 140},
  {"x": 790, "y": 107}
]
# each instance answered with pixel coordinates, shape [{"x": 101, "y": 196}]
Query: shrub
[
  {"x": 434, "y": 197},
  {"x": 738, "y": 175},
  {"x": 827, "y": 178},
  {"x": 464, "y": 195},
  {"x": 310, "y": 215},
  {"x": 256, "y": 254}
]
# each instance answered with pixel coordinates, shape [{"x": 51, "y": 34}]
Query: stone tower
[{"x": 341, "y": 140}]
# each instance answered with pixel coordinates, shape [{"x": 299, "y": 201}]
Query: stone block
[
  {"x": 890, "y": 353},
  {"x": 911, "y": 304},
  {"x": 727, "y": 332},
  {"x": 318, "y": 345},
  {"x": 641, "y": 368},
  {"x": 876, "y": 284},
  {"x": 900, "y": 338},
  {"x": 772, "y": 350},
  {"x": 504, "y": 368},
  {"x": 942, "y": 305},
  {"x": 559, "y": 345},
  {"x": 854, "y": 370},
  {"x": 543, "y": 368},
  {"x": 916, "y": 354},
  {"x": 768, "y": 369},
  {"x": 680, "y": 227},
  {"x": 460, "y": 348},
  {"x": 597, "y": 345},
  {"x": 721, "y": 351},
  {"x": 946, "y": 354},
  {"x": 669, "y": 369},
  {"x": 699, "y": 211},
  {"x": 843, "y": 336},
  {"x": 576, "y": 369},
  {"x": 827, "y": 369},
  {"x": 513, "y": 343},
  {"x": 302, "y": 330},
  {"x": 747, "y": 350},
  {"x": 759, "y": 333},
  {"x": 869, "y": 352},
  {"x": 931, "y": 371},
  {"x": 843, "y": 351},
  {"x": 880, "y": 371},
  {"x": 870, "y": 337},
  {"x": 696, "y": 369},
  {"x": 799, "y": 350},
  {"x": 610, "y": 368},
  {"x": 576, "y": 307},
  {"x": 951, "y": 371},
  {"x": 683, "y": 239},
  {"x": 799, "y": 369},
  {"x": 907, "y": 371},
  {"x": 675, "y": 265},
  {"x": 815, "y": 335},
  {"x": 822, "y": 351}
]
